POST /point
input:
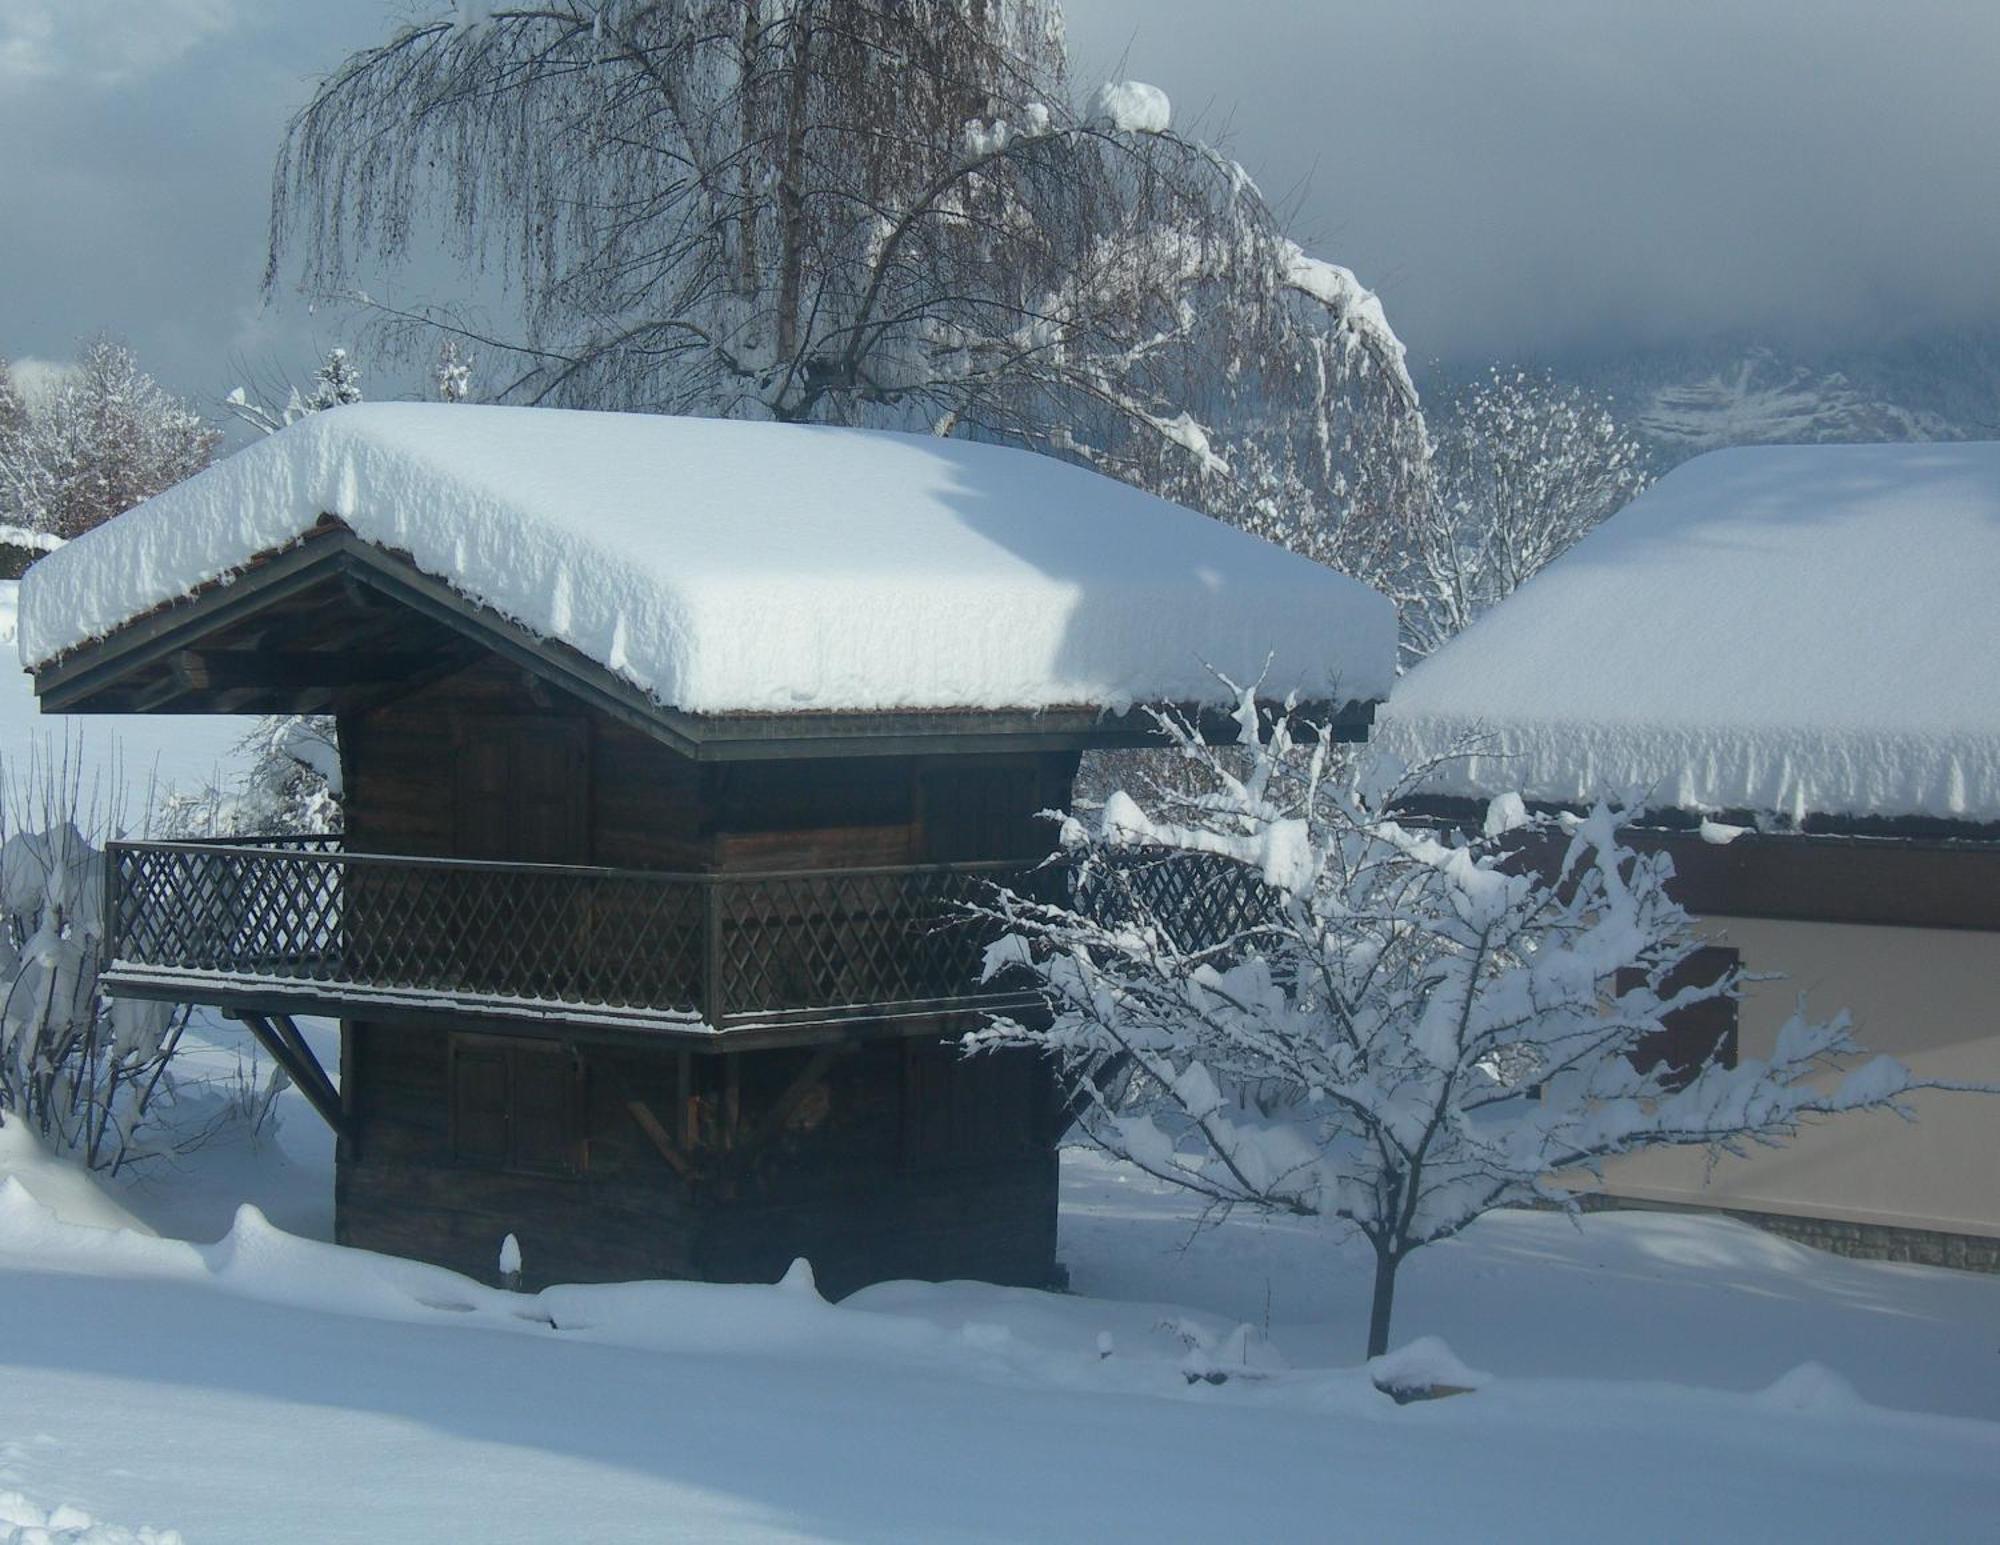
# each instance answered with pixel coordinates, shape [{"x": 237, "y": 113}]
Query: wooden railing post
[
  {"x": 713, "y": 998},
  {"x": 108, "y": 940}
]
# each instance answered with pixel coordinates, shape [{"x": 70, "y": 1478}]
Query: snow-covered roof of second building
[
  {"x": 1788, "y": 629},
  {"x": 732, "y": 567}
]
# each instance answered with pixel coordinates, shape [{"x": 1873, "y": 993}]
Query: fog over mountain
[{"x": 1942, "y": 384}]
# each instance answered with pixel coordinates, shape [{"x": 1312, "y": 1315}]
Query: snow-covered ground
[{"x": 1651, "y": 1377}]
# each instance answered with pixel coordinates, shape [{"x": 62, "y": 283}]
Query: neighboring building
[
  {"x": 672, "y": 750},
  {"x": 20, "y": 547},
  {"x": 1791, "y": 655}
]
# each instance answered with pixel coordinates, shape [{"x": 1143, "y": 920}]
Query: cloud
[
  {"x": 104, "y": 42},
  {"x": 1553, "y": 177},
  {"x": 36, "y": 378}
]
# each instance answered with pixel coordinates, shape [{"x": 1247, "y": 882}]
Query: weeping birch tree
[{"x": 872, "y": 212}]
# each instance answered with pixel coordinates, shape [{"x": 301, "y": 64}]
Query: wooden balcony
[{"x": 298, "y": 925}]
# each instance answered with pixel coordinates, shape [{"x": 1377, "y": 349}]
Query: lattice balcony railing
[
  {"x": 302, "y": 918},
  {"x": 726, "y": 949}
]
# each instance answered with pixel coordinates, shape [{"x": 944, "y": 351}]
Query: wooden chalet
[{"x": 661, "y": 987}]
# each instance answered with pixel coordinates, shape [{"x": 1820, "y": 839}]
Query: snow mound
[
  {"x": 1424, "y": 1364},
  {"x": 23, "y": 1522},
  {"x": 1133, "y": 107},
  {"x": 1812, "y": 1389},
  {"x": 67, "y": 1190},
  {"x": 1793, "y": 630},
  {"x": 732, "y": 567}
]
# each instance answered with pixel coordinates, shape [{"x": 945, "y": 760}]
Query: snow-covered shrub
[
  {"x": 335, "y": 383},
  {"x": 290, "y": 785},
  {"x": 83, "y": 1070},
  {"x": 1272, "y": 992}
]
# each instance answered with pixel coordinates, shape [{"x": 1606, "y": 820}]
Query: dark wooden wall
[
  {"x": 485, "y": 764},
  {"x": 889, "y": 1158}
]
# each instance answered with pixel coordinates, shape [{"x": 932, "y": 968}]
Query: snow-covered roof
[
  {"x": 732, "y": 567},
  {"x": 1786, "y": 629}
]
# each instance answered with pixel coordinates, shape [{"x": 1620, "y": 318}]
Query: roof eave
[{"x": 73, "y": 682}]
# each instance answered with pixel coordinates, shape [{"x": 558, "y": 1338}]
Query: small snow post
[{"x": 673, "y": 750}]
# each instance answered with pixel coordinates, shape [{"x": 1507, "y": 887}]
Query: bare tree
[
  {"x": 880, "y": 212},
  {"x": 1524, "y": 467},
  {"x": 1275, "y": 995}
]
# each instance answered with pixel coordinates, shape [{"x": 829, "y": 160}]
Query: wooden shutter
[
  {"x": 544, "y": 1113},
  {"x": 1691, "y": 1036},
  {"x": 479, "y": 1100},
  {"x": 516, "y": 1105}
]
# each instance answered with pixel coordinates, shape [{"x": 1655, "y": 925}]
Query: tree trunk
[
  {"x": 791, "y": 195},
  {"x": 1386, "y": 1263}
]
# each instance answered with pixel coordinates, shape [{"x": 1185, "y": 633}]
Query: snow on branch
[{"x": 899, "y": 219}]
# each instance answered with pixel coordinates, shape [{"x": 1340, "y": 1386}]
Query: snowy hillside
[{"x": 1703, "y": 397}]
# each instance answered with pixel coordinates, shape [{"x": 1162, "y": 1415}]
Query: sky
[{"x": 1539, "y": 179}]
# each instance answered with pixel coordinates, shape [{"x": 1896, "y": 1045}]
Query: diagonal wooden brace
[{"x": 279, "y": 1036}]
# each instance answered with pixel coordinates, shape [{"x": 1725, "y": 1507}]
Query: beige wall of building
[{"x": 1930, "y": 997}]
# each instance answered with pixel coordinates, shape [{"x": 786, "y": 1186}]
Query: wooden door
[{"x": 523, "y": 791}]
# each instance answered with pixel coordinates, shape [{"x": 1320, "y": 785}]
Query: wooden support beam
[
  {"x": 661, "y": 1139},
  {"x": 279, "y": 1036},
  {"x": 216, "y": 670},
  {"x": 809, "y": 1078},
  {"x": 148, "y": 699}
]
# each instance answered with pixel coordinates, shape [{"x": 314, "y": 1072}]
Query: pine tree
[
  {"x": 452, "y": 375},
  {"x": 335, "y": 384}
]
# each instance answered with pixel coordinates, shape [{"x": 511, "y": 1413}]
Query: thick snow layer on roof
[
  {"x": 1785, "y": 629},
  {"x": 753, "y": 567}
]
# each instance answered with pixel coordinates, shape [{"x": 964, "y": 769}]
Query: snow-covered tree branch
[
  {"x": 334, "y": 383},
  {"x": 849, "y": 211},
  {"x": 1272, "y": 992},
  {"x": 1523, "y": 467}
]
